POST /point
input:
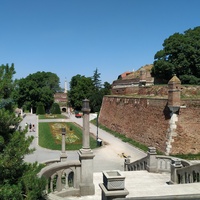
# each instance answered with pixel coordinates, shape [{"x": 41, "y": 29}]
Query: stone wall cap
[{"x": 174, "y": 79}]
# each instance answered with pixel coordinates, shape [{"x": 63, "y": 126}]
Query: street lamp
[
  {"x": 97, "y": 126},
  {"x": 86, "y": 106}
]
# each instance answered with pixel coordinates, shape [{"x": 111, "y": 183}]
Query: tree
[
  {"x": 6, "y": 86},
  {"x": 181, "y": 56},
  {"x": 96, "y": 80},
  {"x": 90, "y": 88},
  {"x": 18, "y": 180},
  {"x": 55, "y": 109},
  {"x": 106, "y": 90},
  {"x": 35, "y": 88},
  {"x": 81, "y": 88},
  {"x": 40, "y": 109}
]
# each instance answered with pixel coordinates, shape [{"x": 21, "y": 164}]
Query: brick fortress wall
[{"x": 146, "y": 120}]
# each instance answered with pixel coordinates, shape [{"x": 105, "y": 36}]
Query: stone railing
[
  {"x": 153, "y": 163},
  {"x": 181, "y": 170},
  {"x": 63, "y": 178},
  {"x": 135, "y": 166},
  {"x": 187, "y": 174}
]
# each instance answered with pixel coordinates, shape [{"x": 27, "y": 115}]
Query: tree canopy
[
  {"x": 82, "y": 87},
  {"x": 181, "y": 56},
  {"x": 39, "y": 87},
  {"x": 18, "y": 180},
  {"x": 6, "y": 85}
]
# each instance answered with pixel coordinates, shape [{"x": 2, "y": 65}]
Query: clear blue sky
[{"x": 70, "y": 37}]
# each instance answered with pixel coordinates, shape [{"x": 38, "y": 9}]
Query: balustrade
[{"x": 62, "y": 176}]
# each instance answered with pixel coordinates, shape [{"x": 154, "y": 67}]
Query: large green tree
[
  {"x": 6, "y": 86},
  {"x": 181, "y": 56},
  {"x": 18, "y": 180},
  {"x": 39, "y": 87},
  {"x": 81, "y": 88},
  {"x": 91, "y": 88}
]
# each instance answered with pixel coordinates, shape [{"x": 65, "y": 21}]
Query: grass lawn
[{"x": 50, "y": 136}]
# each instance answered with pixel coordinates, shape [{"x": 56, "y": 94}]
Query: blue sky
[{"x": 70, "y": 37}]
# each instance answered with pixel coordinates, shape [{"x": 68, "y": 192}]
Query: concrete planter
[{"x": 113, "y": 180}]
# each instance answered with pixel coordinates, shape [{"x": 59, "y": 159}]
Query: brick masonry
[{"x": 146, "y": 120}]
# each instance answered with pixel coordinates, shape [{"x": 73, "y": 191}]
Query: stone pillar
[
  {"x": 142, "y": 81},
  {"x": 126, "y": 163},
  {"x": 174, "y": 103},
  {"x": 175, "y": 164},
  {"x": 63, "y": 156},
  {"x": 151, "y": 160},
  {"x": 174, "y": 94},
  {"x": 86, "y": 156}
]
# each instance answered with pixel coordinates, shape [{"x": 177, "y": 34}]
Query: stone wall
[
  {"x": 188, "y": 129},
  {"x": 146, "y": 120}
]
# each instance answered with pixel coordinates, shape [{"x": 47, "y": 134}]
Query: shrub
[
  {"x": 55, "y": 109},
  {"x": 40, "y": 109}
]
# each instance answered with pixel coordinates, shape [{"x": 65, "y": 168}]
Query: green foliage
[
  {"x": 80, "y": 88},
  {"x": 96, "y": 80},
  {"x": 37, "y": 87},
  {"x": 40, "y": 109},
  {"x": 14, "y": 171},
  {"x": 181, "y": 56},
  {"x": 90, "y": 88},
  {"x": 6, "y": 86},
  {"x": 6, "y": 83},
  {"x": 14, "y": 145},
  {"x": 7, "y": 119},
  {"x": 188, "y": 156},
  {"x": 55, "y": 109}
]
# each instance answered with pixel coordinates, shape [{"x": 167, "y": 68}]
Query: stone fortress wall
[
  {"x": 147, "y": 121},
  {"x": 166, "y": 121}
]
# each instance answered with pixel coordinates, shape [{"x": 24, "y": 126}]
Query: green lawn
[{"x": 50, "y": 136}]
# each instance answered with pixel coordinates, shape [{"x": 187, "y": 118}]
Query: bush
[
  {"x": 55, "y": 109},
  {"x": 40, "y": 109},
  {"x": 189, "y": 79}
]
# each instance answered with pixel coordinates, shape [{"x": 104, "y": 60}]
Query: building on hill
[{"x": 129, "y": 82}]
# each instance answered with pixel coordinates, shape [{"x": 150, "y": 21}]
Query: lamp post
[
  {"x": 97, "y": 126},
  {"x": 86, "y": 155}
]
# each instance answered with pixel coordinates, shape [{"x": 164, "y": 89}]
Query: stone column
[
  {"x": 151, "y": 160},
  {"x": 175, "y": 164},
  {"x": 86, "y": 155},
  {"x": 127, "y": 161},
  {"x": 63, "y": 156}
]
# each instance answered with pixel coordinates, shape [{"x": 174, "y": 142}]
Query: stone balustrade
[
  {"x": 63, "y": 178},
  {"x": 182, "y": 171},
  {"x": 135, "y": 166},
  {"x": 189, "y": 174}
]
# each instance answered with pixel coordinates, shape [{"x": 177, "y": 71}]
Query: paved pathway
[{"x": 107, "y": 157}]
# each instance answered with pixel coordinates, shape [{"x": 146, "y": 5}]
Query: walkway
[{"x": 107, "y": 157}]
